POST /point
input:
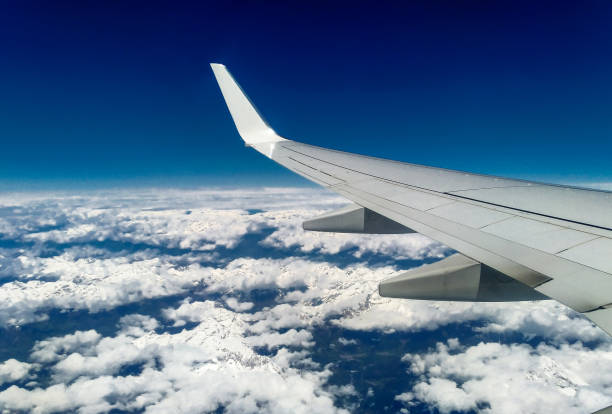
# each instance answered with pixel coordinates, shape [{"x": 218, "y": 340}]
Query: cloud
[
  {"x": 543, "y": 318},
  {"x": 444, "y": 394},
  {"x": 510, "y": 378},
  {"x": 238, "y": 306},
  {"x": 94, "y": 284},
  {"x": 189, "y": 312},
  {"x": 200, "y": 369},
  {"x": 195, "y": 229},
  {"x": 12, "y": 370},
  {"x": 345, "y": 342},
  {"x": 190, "y": 219},
  {"x": 199, "y": 220},
  {"x": 85, "y": 275},
  {"x": 291, "y": 337},
  {"x": 349, "y": 297},
  {"x": 221, "y": 346},
  {"x": 53, "y": 349}
]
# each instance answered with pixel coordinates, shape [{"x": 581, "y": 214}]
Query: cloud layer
[
  {"x": 510, "y": 378},
  {"x": 236, "y": 306}
]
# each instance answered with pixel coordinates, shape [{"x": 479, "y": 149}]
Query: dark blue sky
[{"x": 121, "y": 91}]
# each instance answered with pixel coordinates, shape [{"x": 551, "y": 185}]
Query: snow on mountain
[{"x": 204, "y": 300}]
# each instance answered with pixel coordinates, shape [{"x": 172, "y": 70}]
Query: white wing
[{"x": 554, "y": 239}]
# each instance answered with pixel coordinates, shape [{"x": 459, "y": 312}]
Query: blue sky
[{"x": 122, "y": 93}]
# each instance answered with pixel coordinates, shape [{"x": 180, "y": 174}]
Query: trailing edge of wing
[{"x": 251, "y": 127}]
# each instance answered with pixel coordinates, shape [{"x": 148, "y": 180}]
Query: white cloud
[
  {"x": 192, "y": 371},
  {"x": 246, "y": 274},
  {"x": 512, "y": 378},
  {"x": 93, "y": 284},
  {"x": 53, "y": 349},
  {"x": 345, "y": 342},
  {"x": 544, "y": 318},
  {"x": 351, "y": 294},
  {"x": 12, "y": 370},
  {"x": 193, "y": 219},
  {"x": 442, "y": 393},
  {"x": 198, "y": 220},
  {"x": 95, "y": 279},
  {"x": 195, "y": 229},
  {"x": 189, "y": 312},
  {"x": 216, "y": 363},
  {"x": 238, "y": 306},
  {"x": 52, "y": 399},
  {"x": 291, "y": 337}
]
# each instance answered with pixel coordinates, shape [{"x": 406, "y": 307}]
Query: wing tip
[{"x": 251, "y": 126}]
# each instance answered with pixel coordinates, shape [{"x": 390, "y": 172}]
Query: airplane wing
[{"x": 517, "y": 240}]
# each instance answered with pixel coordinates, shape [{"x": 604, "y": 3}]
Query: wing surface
[{"x": 555, "y": 239}]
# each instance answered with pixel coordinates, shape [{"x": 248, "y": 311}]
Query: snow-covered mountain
[{"x": 162, "y": 300}]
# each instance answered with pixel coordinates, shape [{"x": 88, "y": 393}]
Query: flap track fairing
[
  {"x": 457, "y": 278},
  {"x": 355, "y": 219}
]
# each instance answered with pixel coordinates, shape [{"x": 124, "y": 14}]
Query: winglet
[{"x": 251, "y": 127}]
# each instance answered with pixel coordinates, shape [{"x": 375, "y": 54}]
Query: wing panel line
[
  {"x": 451, "y": 194},
  {"x": 531, "y": 212},
  {"x": 554, "y": 263}
]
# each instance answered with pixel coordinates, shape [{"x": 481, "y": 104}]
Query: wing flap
[
  {"x": 543, "y": 236},
  {"x": 588, "y": 207},
  {"x": 596, "y": 253},
  {"x": 471, "y": 215}
]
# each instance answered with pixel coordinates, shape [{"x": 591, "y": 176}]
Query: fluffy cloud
[
  {"x": 196, "y": 229},
  {"x": 196, "y": 220},
  {"x": 12, "y": 370},
  {"x": 349, "y": 296},
  {"x": 80, "y": 273},
  {"x": 499, "y": 378},
  {"x": 53, "y": 349},
  {"x": 200, "y": 369},
  {"x": 545, "y": 318},
  {"x": 221, "y": 346},
  {"x": 238, "y": 306},
  {"x": 69, "y": 282}
]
